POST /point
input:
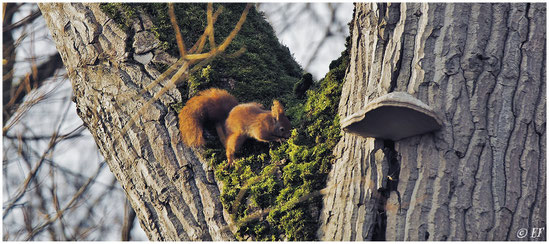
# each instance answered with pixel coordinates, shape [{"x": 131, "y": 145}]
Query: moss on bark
[{"x": 272, "y": 192}]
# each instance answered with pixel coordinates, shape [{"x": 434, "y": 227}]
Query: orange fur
[
  {"x": 212, "y": 105},
  {"x": 234, "y": 123},
  {"x": 250, "y": 120}
]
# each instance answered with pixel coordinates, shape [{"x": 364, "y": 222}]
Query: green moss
[
  {"x": 123, "y": 20},
  {"x": 259, "y": 74},
  {"x": 280, "y": 179},
  {"x": 302, "y": 163}
]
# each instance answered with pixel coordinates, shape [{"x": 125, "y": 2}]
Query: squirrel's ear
[{"x": 277, "y": 109}]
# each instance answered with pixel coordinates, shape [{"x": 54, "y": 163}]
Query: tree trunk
[
  {"x": 169, "y": 186},
  {"x": 481, "y": 67}
]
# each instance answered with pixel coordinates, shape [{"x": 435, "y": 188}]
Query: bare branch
[
  {"x": 73, "y": 134},
  {"x": 327, "y": 34},
  {"x": 67, "y": 206},
  {"x": 183, "y": 71},
  {"x": 129, "y": 217},
  {"x": 25, "y": 21},
  {"x": 55, "y": 139},
  {"x": 32, "y": 80},
  {"x": 178, "y": 36}
]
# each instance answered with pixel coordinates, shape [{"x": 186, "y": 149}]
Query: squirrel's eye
[{"x": 281, "y": 128}]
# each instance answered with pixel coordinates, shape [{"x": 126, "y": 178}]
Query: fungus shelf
[{"x": 393, "y": 116}]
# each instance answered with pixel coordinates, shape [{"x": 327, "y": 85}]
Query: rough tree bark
[
  {"x": 169, "y": 186},
  {"x": 483, "y": 175}
]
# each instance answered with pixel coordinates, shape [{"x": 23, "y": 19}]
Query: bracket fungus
[{"x": 393, "y": 116}]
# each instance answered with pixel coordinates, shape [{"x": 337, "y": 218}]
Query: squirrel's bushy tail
[{"x": 212, "y": 105}]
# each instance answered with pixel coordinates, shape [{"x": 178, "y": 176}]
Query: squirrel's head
[{"x": 282, "y": 127}]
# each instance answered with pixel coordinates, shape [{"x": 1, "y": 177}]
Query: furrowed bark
[
  {"x": 170, "y": 186},
  {"x": 481, "y": 67}
]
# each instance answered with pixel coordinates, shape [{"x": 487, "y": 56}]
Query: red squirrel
[{"x": 233, "y": 122}]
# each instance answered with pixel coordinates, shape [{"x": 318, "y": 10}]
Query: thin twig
[
  {"x": 183, "y": 72},
  {"x": 211, "y": 35},
  {"x": 69, "y": 205},
  {"x": 181, "y": 60},
  {"x": 23, "y": 189},
  {"x": 32, "y": 174},
  {"x": 127, "y": 225},
  {"x": 327, "y": 33},
  {"x": 175, "y": 26}
]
